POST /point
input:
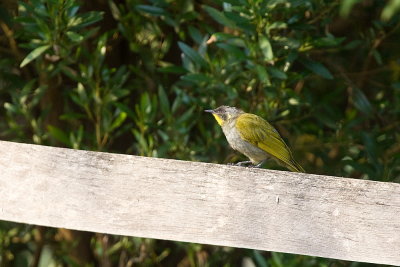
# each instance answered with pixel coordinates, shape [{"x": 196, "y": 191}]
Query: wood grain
[{"x": 206, "y": 203}]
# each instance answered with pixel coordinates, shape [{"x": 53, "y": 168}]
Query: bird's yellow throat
[{"x": 218, "y": 119}]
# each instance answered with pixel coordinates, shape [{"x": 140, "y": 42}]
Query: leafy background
[{"x": 134, "y": 77}]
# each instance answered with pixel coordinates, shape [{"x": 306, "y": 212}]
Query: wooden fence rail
[{"x": 197, "y": 202}]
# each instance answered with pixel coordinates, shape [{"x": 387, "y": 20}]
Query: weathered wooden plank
[{"x": 198, "y": 202}]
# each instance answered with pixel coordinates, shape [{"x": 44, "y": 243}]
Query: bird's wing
[{"x": 260, "y": 133}]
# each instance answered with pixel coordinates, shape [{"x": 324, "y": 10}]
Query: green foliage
[{"x": 135, "y": 78}]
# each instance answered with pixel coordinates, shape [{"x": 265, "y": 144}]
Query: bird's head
[{"x": 225, "y": 113}]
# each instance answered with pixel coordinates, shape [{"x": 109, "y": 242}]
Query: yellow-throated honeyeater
[{"x": 254, "y": 137}]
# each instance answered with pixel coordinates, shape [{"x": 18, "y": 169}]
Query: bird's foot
[
  {"x": 247, "y": 163},
  {"x": 243, "y": 163},
  {"x": 257, "y": 165}
]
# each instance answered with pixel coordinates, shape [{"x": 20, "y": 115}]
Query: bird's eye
[
  {"x": 223, "y": 116},
  {"x": 227, "y": 116}
]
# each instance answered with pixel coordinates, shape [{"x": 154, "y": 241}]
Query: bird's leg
[
  {"x": 243, "y": 163},
  {"x": 259, "y": 164}
]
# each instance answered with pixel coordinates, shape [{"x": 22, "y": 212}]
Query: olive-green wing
[{"x": 260, "y": 133}]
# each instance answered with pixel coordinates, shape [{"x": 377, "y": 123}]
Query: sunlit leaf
[
  {"x": 84, "y": 20},
  {"x": 114, "y": 10},
  {"x": 346, "y": 6},
  {"x": 390, "y": 9},
  {"x": 75, "y": 37},
  {"x": 34, "y": 54},
  {"x": 118, "y": 120},
  {"x": 266, "y": 48}
]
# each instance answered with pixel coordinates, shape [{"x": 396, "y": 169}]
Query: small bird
[{"x": 254, "y": 137}]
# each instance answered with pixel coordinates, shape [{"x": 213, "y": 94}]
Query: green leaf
[
  {"x": 70, "y": 72},
  {"x": 72, "y": 11},
  {"x": 390, "y": 9},
  {"x": 114, "y": 10},
  {"x": 266, "y": 48},
  {"x": 353, "y": 45},
  {"x": 186, "y": 116},
  {"x": 81, "y": 21},
  {"x": 277, "y": 73},
  {"x": 172, "y": 69},
  {"x": 221, "y": 36},
  {"x": 34, "y": 54},
  {"x": 377, "y": 56},
  {"x": 346, "y": 5},
  {"x": 75, "y": 37},
  {"x": 260, "y": 260},
  {"x": 361, "y": 102},
  {"x": 327, "y": 117},
  {"x": 238, "y": 18},
  {"x": 230, "y": 39},
  {"x": 140, "y": 139},
  {"x": 164, "y": 102},
  {"x": 276, "y": 25},
  {"x": 195, "y": 34},
  {"x": 10, "y": 107},
  {"x": 241, "y": 22},
  {"x": 396, "y": 85},
  {"x": 196, "y": 78},
  {"x": 233, "y": 51},
  {"x": 76, "y": 140},
  {"x": 328, "y": 41},
  {"x": 125, "y": 109},
  {"x": 163, "y": 135},
  {"x": 317, "y": 68},
  {"x": 59, "y": 135},
  {"x": 286, "y": 41},
  {"x": 234, "y": 2},
  {"x": 192, "y": 54},
  {"x": 219, "y": 16},
  {"x": 72, "y": 116},
  {"x": 151, "y": 9},
  {"x": 6, "y": 17},
  {"x": 118, "y": 121},
  {"x": 263, "y": 75},
  {"x": 277, "y": 259},
  {"x": 370, "y": 147}
]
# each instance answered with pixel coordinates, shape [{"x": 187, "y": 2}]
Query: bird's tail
[{"x": 294, "y": 166}]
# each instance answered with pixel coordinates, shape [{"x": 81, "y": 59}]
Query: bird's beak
[{"x": 209, "y": 110}]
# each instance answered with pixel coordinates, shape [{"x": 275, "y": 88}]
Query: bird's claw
[
  {"x": 259, "y": 164},
  {"x": 241, "y": 164},
  {"x": 248, "y": 164}
]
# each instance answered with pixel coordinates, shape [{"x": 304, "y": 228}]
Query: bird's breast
[{"x": 237, "y": 143}]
